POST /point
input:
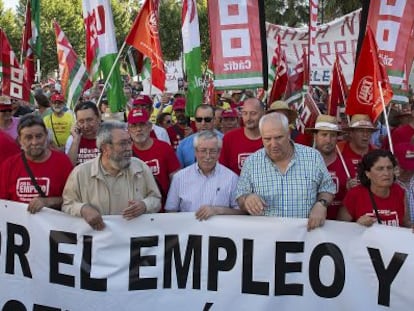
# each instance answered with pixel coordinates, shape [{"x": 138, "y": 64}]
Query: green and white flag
[
  {"x": 146, "y": 69},
  {"x": 99, "y": 23},
  {"x": 192, "y": 55}
]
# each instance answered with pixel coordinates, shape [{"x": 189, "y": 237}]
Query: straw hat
[
  {"x": 325, "y": 123},
  {"x": 360, "y": 121},
  {"x": 404, "y": 111},
  {"x": 281, "y": 106}
]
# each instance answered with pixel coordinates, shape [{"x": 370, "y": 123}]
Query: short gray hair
[
  {"x": 274, "y": 117},
  {"x": 207, "y": 135},
  {"x": 104, "y": 135}
]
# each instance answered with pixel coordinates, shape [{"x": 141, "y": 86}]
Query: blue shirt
[
  {"x": 185, "y": 150},
  {"x": 293, "y": 193},
  {"x": 190, "y": 189}
]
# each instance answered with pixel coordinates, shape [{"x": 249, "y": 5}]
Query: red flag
[
  {"x": 27, "y": 51},
  {"x": 297, "y": 80},
  {"x": 14, "y": 84},
  {"x": 73, "y": 73},
  {"x": 339, "y": 89},
  {"x": 364, "y": 95},
  {"x": 92, "y": 45},
  {"x": 281, "y": 74},
  {"x": 144, "y": 37},
  {"x": 307, "y": 112}
]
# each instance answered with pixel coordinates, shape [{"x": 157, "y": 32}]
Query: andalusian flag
[
  {"x": 72, "y": 73},
  {"x": 31, "y": 43},
  {"x": 99, "y": 22},
  {"x": 192, "y": 55}
]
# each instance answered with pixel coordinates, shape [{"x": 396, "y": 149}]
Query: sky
[{"x": 10, "y": 4}]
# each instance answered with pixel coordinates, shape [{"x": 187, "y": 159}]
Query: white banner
[
  {"x": 173, "y": 262},
  {"x": 339, "y": 36},
  {"x": 173, "y": 72}
]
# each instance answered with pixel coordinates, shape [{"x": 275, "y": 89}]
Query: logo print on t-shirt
[
  {"x": 241, "y": 158},
  {"x": 26, "y": 191},
  {"x": 154, "y": 165}
]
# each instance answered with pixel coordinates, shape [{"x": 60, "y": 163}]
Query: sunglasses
[
  {"x": 207, "y": 119},
  {"x": 6, "y": 110}
]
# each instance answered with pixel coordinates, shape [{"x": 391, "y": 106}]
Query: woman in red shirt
[{"x": 378, "y": 198}]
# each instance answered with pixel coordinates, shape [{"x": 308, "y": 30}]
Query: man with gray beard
[{"x": 114, "y": 183}]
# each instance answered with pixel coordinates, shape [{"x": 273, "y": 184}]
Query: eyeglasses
[
  {"x": 123, "y": 143},
  {"x": 204, "y": 151},
  {"x": 207, "y": 119},
  {"x": 6, "y": 110}
]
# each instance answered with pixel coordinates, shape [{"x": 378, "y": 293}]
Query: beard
[
  {"x": 36, "y": 152},
  {"x": 121, "y": 161}
]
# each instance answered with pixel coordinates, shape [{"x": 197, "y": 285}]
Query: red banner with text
[
  {"x": 235, "y": 44},
  {"x": 392, "y": 23}
]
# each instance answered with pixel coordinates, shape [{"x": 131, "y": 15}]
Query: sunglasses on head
[{"x": 207, "y": 119}]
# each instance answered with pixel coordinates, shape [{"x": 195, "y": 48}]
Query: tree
[{"x": 7, "y": 23}]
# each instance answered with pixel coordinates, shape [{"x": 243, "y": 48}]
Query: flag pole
[
  {"x": 110, "y": 72},
  {"x": 384, "y": 111},
  {"x": 338, "y": 151}
]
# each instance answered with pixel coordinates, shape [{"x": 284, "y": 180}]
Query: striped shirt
[
  {"x": 291, "y": 194},
  {"x": 190, "y": 189},
  {"x": 410, "y": 192}
]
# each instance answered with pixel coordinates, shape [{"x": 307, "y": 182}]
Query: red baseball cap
[
  {"x": 229, "y": 113},
  {"x": 138, "y": 115},
  {"x": 179, "y": 104},
  {"x": 404, "y": 152},
  {"x": 57, "y": 98},
  {"x": 142, "y": 100}
]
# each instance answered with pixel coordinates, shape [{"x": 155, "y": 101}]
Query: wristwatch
[{"x": 323, "y": 202}]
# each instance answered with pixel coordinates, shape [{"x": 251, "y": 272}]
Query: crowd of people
[{"x": 236, "y": 157}]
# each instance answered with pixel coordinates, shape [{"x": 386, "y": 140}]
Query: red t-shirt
[
  {"x": 391, "y": 209},
  {"x": 51, "y": 175},
  {"x": 402, "y": 134},
  {"x": 337, "y": 171},
  {"x": 162, "y": 160},
  {"x": 236, "y": 148},
  {"x": 9, "y": 147},
  {"x": 87, "y": 150},
  {"x": 352, "y": 158}
]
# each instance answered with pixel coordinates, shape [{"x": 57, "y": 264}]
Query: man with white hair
[
  {"x": 205, "y": 187},
  {"x": 285, "y": 179}
]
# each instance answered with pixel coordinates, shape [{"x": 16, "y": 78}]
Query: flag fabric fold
[
  {"x": 192, "y": 55},
  {"x": 144, "y": 37},
  {"x": 72, "y": 72},
  {"x": 14, "y": 83},
  {"x": 280, "y": 82},
  {"x": 101, "y": 49},
  {"x": 339, "y": 89},
  {"x": 31, "y": 43},
  {"x": 370, "y": 75}
]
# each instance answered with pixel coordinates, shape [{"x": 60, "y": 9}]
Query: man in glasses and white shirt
[
  {"x": 213, "y": 185},
  {"x": 204, "y": 117}
]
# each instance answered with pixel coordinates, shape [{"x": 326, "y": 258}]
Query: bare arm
[
  {"x": 206, "y": 211},
  {"x": 38, "y": 203},
  {"x": 252, "y": 204},
  {"x": 317, "y": 215}
]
